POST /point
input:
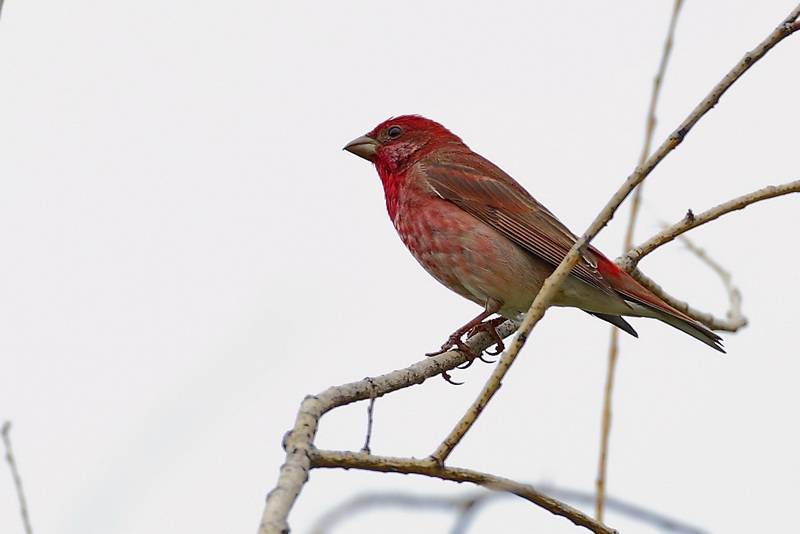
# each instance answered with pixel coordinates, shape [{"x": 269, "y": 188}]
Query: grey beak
[{"x": 364, "y": 147}]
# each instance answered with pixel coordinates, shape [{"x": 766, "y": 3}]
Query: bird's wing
[{"x": 486, "y": 192}]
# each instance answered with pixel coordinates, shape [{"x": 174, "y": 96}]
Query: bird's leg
[
  {"x": 490, "y": 327},
  {"x": 473, "y": 327},
  {"x": 470, "y": 329},
  {"x": 455, "y": 338}
]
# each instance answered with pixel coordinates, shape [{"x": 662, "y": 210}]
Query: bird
[{"x": 481, "y": 234}]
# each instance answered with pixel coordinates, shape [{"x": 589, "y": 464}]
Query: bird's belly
[{"x": 472, "y": 258}]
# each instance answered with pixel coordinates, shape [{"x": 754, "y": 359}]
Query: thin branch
[
  {"x": 613, "y": 349},
  {"x": 370, "y": 412},
  {"x": 651, "y": 121},
  {"x": 632, "y": 258},
  {"x": 427, "y": 466},
  {"x": 299, "y": 442},
  {"x": 23, "y": 506},
  {"x": 734, "y": 319},
  {"x": 554, "y": 281},
  {"x": 734, "y": 322},
  {"x": 627, "y": 509},
  {"x": 605, "y": 427}
]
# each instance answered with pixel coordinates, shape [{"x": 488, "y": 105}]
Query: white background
[{"x": 185, "y": 252}]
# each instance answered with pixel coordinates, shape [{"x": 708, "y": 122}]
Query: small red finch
[{"x": 481, "y": 234}]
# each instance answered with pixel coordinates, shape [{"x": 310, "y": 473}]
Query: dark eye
[{"x": 394, "y": 132}]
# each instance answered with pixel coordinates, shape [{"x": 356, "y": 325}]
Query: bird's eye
[{"x": 394, "y": 132}]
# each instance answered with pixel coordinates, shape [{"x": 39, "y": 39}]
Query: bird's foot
[
  {"x": 490, "y": 327},
  {"x": 455, "y": 342}
]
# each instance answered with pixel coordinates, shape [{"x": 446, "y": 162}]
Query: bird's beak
[{"x": 364, "y": 146}]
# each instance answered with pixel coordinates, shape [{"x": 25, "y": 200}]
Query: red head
[{"x": 396, "y": 144}]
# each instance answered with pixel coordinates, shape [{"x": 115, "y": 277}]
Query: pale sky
[{"x": 186, "y": 252}]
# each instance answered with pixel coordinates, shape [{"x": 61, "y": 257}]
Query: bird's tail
[
  {"x": 686, "y": 324},
  {"x": 646, "y": 304}
]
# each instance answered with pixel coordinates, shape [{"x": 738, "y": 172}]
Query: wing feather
[{"x": 489, "y": 194}]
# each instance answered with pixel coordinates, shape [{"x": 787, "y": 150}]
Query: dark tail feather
[
  {"x": 696, "y": 330},
  {"x": 617, "y": 321}
]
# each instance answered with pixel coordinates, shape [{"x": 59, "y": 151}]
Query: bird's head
[{"x": 399, "y": 142}]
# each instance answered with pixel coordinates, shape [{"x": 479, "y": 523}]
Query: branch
[
  {"x": 299, "y": 442},
  {"x": 632, "y": 258},
  {"x": 613, "y": 349},
  {"x": 427, "y": 466},
  {"x": 23, "y": 507},
  {"x": 735, "y": 320},
  {"x": 553, "y": 283}
]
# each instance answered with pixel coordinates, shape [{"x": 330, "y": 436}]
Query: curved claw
[
  {"x": 465, "y": 364},
  {"x": 486, "y": 360},
  {"x": 470, "y": 329},
  {"x": 497, "y": 352},
  {"x": 447, "y": 377}
]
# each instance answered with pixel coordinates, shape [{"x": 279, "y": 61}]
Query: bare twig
[
  {"x": 735, "y": 318},
  {"x": 370, "y": 412},
  {"x": 632, "y": 258},
  {"x": 651, "y": 121},
  {"x": 605, "y": 426},
  {"x": 23, "y": 506},
  {"x": 386, "y": 464},
  {"x": 613, "y": 349}
]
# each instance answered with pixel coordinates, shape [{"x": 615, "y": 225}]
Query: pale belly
[{"x": 479, "y": 263}]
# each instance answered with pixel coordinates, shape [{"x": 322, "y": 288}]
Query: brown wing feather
[{"x": 486, "y": 192}]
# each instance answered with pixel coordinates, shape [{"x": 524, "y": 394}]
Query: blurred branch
[
  {"x": 613, "y": 349},
  {"x": 466, "y": 505},
  {"x": 6, "y": 432},
  {"x": 361, "y": 503},
  {"x": 736, "y": 319},
  {"x": 627, "y": 509}
]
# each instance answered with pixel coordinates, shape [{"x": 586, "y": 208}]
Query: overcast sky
[{"x": 185, "y": 252}]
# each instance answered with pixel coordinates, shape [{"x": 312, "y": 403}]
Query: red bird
[{"x": 481, "y": 234}]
